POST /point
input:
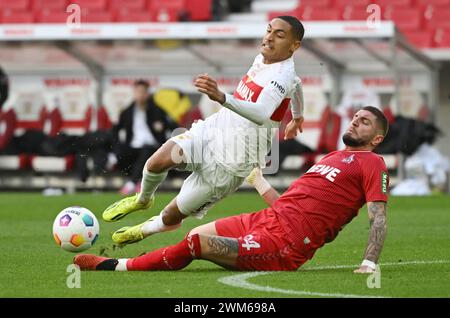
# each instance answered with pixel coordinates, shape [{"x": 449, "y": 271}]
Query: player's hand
[
  {"x": 293, "y": 128},
  {"x": 254, "y": 176},
  {"x": 364, "y": 270},
  {"x": 207, "y": 85}
]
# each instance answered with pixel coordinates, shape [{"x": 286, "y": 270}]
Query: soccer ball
[{"x": 75, "y": 229}]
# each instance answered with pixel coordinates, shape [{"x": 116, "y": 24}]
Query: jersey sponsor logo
[
  {"x": 384, "y": 181},
  {"x": 329, "y": 172},
  {"x": 278, "y": 86},
  {"x": 245, "y": 92},
  {"x": 349, "y": 159},
  {"x": 250, "y": 243}
]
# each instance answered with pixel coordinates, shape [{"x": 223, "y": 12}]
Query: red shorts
[{"x": 263, "y": 244}]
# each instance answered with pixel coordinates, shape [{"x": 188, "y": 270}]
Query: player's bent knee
[
  {"x": 205, "y": 229},
  {"x": 162, "y": 160}
]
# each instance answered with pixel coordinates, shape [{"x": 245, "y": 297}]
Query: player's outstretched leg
[
  {"x": 220, "y": 250},
  {"x": 173, "y": 257},
  {"x": 154, "y": 172},
  {"x": 168, "y": 220}
]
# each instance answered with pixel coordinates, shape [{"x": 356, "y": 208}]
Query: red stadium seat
[
  {"x": 49, "y": 5},
  {"x": 91, "y": 4},
  {"x": 393, "y": 3},
  {"x": 405, "y": 19},
  {"x": 353, "y": 3},
  {"x": 433, "y": 2},
  {"x": 439, "y": 18},
  {"x": 52, "y": 16},
  {"x": 17, "y": 16},
  {"x": 351, "y": 13},
  {"x": 95, "y": 16},
  {"x": 273, "y": 14},
  {"x": 199, "y": 10},
  {"x": 165, "y": 15},
  {"x": 420, "y": 39},
  {"x": 14, "y": 4},
  {"x": 442, "y": 37},
  {"x": 315, "y": 3},
  {"x": 166, "y": 4},
  {"x": 167, "y": 11},
  {"x": 318, "y": 14},
  {"x": 132, "y": 15},
  {"x": 129, "y": 4}
]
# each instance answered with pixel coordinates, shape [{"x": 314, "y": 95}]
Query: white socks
[
  {"x": 121, "y": 265},
  {"x": 157, "y": 225},
  {"x": 149, "y": 184}
]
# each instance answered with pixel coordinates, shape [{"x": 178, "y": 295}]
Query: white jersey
[{"x": 238, "y": 144}]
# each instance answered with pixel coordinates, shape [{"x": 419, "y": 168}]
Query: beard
[{"x": 353, "y": 142}]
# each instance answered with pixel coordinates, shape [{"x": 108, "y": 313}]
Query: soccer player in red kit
[{"x": 309, "y": 214}]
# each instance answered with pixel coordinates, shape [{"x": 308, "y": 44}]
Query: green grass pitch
[{"x": 416, "y": 254}]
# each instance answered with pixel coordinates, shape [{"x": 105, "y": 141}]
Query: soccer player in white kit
[{"x": 224, "y": 148}]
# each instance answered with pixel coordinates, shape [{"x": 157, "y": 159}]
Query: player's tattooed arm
[
  {"x": 219, "y": 245},
  {"x": 378, "y": 227}
]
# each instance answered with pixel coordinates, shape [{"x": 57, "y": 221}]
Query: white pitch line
[
  {"x": 318, "y": 268},
  {"x": 240, "y": 280}
]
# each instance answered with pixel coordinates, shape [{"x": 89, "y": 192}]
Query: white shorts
[{"x": 209, "y": 182}]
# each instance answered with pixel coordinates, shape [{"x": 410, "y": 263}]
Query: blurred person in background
[{"x": 146, "y": 128}]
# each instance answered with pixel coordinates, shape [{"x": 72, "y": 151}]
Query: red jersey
[{"x": 329, "y": 195}]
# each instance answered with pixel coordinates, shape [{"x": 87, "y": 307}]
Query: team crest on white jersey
[{"x": 349, "y": 159}]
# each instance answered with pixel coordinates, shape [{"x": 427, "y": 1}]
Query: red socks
[{"x": 173, "y": 257}]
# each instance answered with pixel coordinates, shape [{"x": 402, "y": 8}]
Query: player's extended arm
[
  {"x": 295, "y": 125},
  {"x": 265, "y": 190},
  {"x": 378, "y": 227},
  {"x": 256, "y": 112}
]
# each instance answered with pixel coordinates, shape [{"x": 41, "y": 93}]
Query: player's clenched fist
[{"x": 207, "y": 85}]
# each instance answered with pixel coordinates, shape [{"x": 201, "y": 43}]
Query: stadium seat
[
  {"x": 167, "y": 4},
  {"x": 49, "y": 5},
  {"x": 352, "y": 3},
  {"x": 393, "y": 3},
  {"x": 411, "y": 105},
  {"x": 167, "y": 11},
  {"x": 420, "y": 39},
  {"x": 199, "y": 10},
  {"x": 72, "y": 117},
  {"x": 165, "y": 15},
  {"x": 15, "y": 4},
  {"x": 316, "y": 112},
  {"x": 129, "y": 4},
  {"x": 17, "y": 16},
  {"x": 96, "y": 16},
  {"x": 115, "y": 99},
  {"x": 351, "y": 13},
  {"x": 273, "y": 14},
  {"x": 132, "y": 15},
  {"x": 52, "y": 16},
  {"x": 29, "y": 107},
  {"x": 438, "y": 18},
  {"x": 74, "y": 109},
  {"x": 406, "y": 19},
  {"x": 91, "y": 4},
  {"x": 423, "y": 3},
  {"x": 442, "y": 37},
  {"x": 315, "y": 3},
  {"x": 319, "y": 14}
]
